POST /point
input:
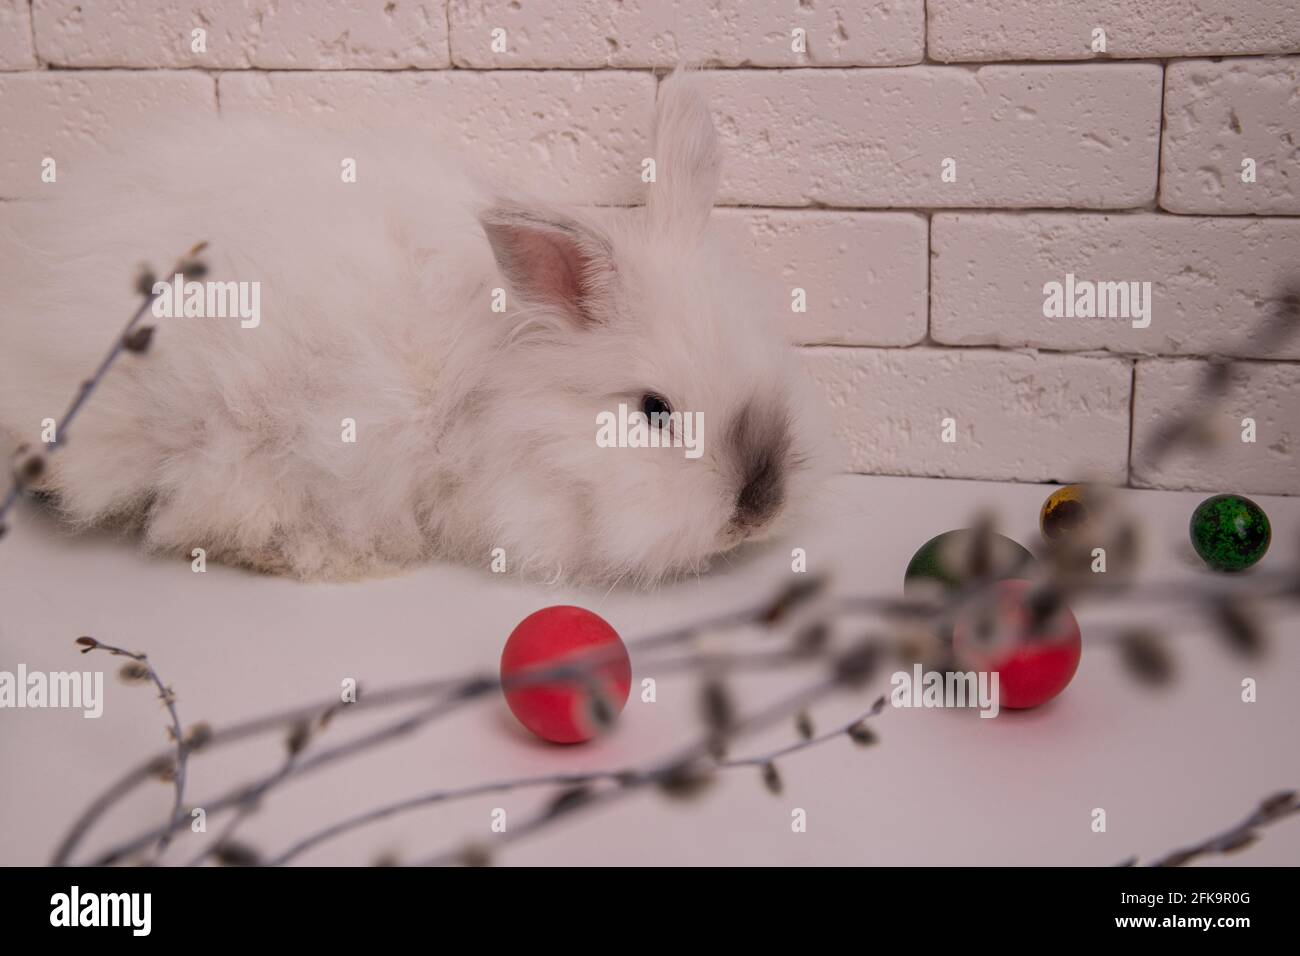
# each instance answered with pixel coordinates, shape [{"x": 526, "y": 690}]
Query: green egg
[
  {"x": 1230, "y": 532},
  {"x": 945, "y": 560}
]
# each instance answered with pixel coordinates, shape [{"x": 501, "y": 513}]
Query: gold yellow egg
[{"x": 1066, "y": 510}]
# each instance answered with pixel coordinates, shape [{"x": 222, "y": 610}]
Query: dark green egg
[
  {"x": 947, "y": 560},
  {"x": 1230, "y": 532}
]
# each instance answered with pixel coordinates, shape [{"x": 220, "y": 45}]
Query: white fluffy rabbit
[{"x": 475, "y": 429}]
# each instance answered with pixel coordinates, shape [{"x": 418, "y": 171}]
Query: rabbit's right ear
[{"x": 687, "y": 159}]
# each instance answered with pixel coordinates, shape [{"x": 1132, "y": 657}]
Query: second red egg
[{"x": 1031, "y": 671}]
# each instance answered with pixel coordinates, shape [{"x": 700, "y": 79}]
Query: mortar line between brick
[
  {"x": 1000, "y": 210},
  {"x": 922, "y": 211},
  {"x": 252, "y": 70},
  {"x": 1160, "y": 132},
  {"x": 929, "y": 276},
  {"x": 31, "y": 33},
  {"x": 1015, "y": 481},
  {"x": 446, "y": 19},
  {"x": 748, "y": 67},
  {"x": 1088, "y": 354},
  {"x": 925, "y": 32},
  {"x": 1132, "y": 420}
]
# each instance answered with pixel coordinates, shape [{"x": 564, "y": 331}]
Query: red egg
[
  {"x": 1030, "y": 672},
  {"x": 561, "y": 711}
]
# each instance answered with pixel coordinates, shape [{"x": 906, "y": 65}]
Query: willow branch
[
  {"x": 182, "y": 749},
  {"x": 454, "y": 696},
  {"x": 133, "y": 338},
  {"x": 1270, "y": 811},
  {"x": 446, "y": 795},
  {"x": 681, "y": 773}
]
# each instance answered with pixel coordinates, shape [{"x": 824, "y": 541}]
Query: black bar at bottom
[{"x": 215, "y": 905}]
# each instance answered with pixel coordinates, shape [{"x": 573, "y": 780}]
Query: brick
[
  {"x": 583, "y": 134},
  {"x": 296, "y": 34},
  {"x": 1019, "y": 416},
  {"x": 661, "y": 33},
  {"x": 1062, "y": 29},
  {"x": 16, "y": 36},
  {"x": 864, "y": 274},
  {"x": 1268, "y": 392},
  {"x": 1216, "y": 115},
  {"x": 68, "y": 115},
  {"x": 1212, "y": 280},
  {"x": 1083, "y": 135}
]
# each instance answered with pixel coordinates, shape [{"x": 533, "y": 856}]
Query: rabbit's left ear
[
  {"x": 550, "y": 259},
  {"x": 687, "y": 159}
]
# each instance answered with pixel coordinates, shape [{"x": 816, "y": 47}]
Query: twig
[
  {"x": 435, "y": 796},
  {"x": 1188, "y": 428},
  {"x": 256, "y": 726},
  {"x": 299, "y": 737},
  {"x": 759, "y": 760},
  {"x": 524, "y": 783},
  {"x": 1271, "y": 810},
  {"x": 168, "y": 698},
  {"x": 131, "y": 339},
  {"x": 681, "y": 774},
  {"x": 461, "y": 693},
  {"x": 235, "y": 797},
  {"x": 459, "y": 690}
]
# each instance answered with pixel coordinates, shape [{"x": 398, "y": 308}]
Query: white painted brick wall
[
  {"x": 1082, "y": 136},
  {"x": 638, "y": 33},
  {"x": 924, "y": 295},
  {"x": 291, "y": 35},
  {"x": 1017, "y": 416},
  {"x": 1207, "y": 275},
  {"x": 1218, "y": 114},
  {"x": 1063, "y": 29},
  {"x": 67, "y": 115},
  {"x": 1268, "y": 392},
  {"x": 16, "y": 35},
  {"x": 864, "y": 274},
  {"x": 586, "y": 132}
]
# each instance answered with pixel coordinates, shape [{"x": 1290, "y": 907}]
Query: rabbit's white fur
[{"x": 475, "y": 430}]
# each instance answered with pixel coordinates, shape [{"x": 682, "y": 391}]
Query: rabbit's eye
[{"x": 652, "y": 405}]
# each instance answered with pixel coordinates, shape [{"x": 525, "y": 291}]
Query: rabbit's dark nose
[
  {"x": 760, "y": 443},
  {"x": 760, "y": 498}
]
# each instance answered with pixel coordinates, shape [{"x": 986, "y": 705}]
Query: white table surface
[{"x": 1169, "y": 766}]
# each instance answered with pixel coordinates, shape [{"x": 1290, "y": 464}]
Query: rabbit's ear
[
  {"x": 687, "y": 159},
  {"x": 549, "y": 258}
]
